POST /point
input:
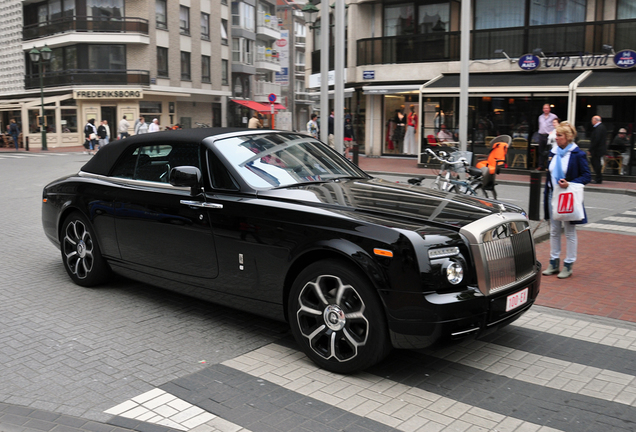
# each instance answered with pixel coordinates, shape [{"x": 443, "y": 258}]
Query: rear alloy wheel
[
  {"x": 337, "y": 318},
  {"x": 81, "y": 256}
]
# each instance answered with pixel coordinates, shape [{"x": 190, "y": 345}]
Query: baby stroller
[{"x": 492, "y": 166}]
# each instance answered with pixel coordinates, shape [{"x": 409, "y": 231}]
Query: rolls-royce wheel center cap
[
  {"x": 334, "y": 317},
  {"x": 81, "y": 248}
]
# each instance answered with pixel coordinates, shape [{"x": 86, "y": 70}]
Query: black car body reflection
[{"x": 280, "y": 225}]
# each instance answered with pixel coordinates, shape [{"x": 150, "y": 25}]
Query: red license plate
[{"x": 517, "y": 299}]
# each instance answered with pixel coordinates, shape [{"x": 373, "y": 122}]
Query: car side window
[
  {"x": 219, "y": 175},
  {"x": 154, "y": 162}
]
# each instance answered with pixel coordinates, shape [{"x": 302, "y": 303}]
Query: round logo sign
[
  {"x": 281, "y": 42},
  {"x": 529, "y": 62},
  {"x": 625, "y": 59}
]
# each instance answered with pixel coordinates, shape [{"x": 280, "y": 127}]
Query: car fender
[{"x": 340, "y": 249}]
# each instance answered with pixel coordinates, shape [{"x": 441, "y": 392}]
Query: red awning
[{"x": 258, "y": 106}]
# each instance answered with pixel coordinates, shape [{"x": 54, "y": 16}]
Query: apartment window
[
  {"x": 184, "y": 20},
  {"x": 162, "y": 62},
  {"x": 399, "y": 20},
  {"x": 161, "y": 14},
  {"x": 544, "y": 12},
  {"x": 224, "y": 72},
  {"x": 107, "y": 57},
  {"x": 205, "y": 26},
  {"x": 243, "y": 51},
  {"x": 433, "y": 18},
  {"x": 494, "y": 14},
  {"x": 205, "y": 69},
  {"x": 626, "y": 9},
  {"x": 223, "y": 31},
  {"x": 63, "y": 59},
  {"x": 52, "y": 10},
  {"x": 111, "y": 9},
  {"x": 185, "y": 66},
  {"x": 243, "y": 16}
]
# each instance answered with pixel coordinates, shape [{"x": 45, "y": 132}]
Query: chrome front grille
[{"x": 503, "y": 251}]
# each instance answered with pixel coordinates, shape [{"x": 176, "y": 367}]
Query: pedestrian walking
[
  {"x": 410, "y": 146},
  {"x": 122, "y": 129},
  {"x": 102, "y": 134},
  {"x": 90, "y": 134},
  {"x": 154, "y": 126},
  {"x": 567, "y": 165},
  {"x": 142, "y": 126},
  {"x": 312, "y": 126},
  {"x": 330, "y": 130},
  {"x": 552, "y": 135},
  {"x": 598, "y": 148},
  {"x": 545, "y": 127},
  {"x": 14, "y": 131},
  {"x": 349, "y": 136}
]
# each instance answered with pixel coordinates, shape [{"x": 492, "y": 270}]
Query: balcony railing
[
  {"x": 264, "y": 88},
  {"x": 85, "y": 24},
  {"x": 564, "y": 39},
  {"x": 268, "y": 21},
  {"x": 89, "y": 77},
  {"x": 260, "y": 57}
]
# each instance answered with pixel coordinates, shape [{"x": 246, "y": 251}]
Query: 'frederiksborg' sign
[
  {"x": 624, "y": 59},
  {"x": 108, "y": 94}
]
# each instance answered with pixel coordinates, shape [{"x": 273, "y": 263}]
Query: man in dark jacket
[{"x": 598, "y": 148}]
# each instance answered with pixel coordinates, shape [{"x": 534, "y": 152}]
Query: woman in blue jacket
[{"x": 568, "y": 164}]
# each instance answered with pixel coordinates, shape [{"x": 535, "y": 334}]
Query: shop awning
[
  {"x": 618, "y": 82},
  {"x": 390, "y": 89},
  {"x": 504, "y": 82},
  {"x": 258, "y": 106}
]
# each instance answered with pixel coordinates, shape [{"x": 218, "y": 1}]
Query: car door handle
[{"x": 201, "y": 204}]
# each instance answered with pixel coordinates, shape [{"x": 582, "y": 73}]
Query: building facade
[
  {"x": 153, "y": 58},
  {"x": 575, "y": 55}
]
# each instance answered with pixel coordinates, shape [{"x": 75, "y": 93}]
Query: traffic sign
[{"x": 271, "y": 98}]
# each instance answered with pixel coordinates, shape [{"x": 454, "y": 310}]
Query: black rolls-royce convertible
[{"x": 280, "y": 225}]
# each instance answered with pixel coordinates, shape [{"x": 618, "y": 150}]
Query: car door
[{"x": 156, "y": 228}]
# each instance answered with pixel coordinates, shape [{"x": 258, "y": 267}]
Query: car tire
[
  {"x": 337, "y": 317},
  {"x": 81, "y": 256}
]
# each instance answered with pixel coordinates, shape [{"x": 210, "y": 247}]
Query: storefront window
[
  {"x": 433, "y": 18},
  {"x": 69, "y": 121},
  {"x": 34, "y": 115},
  {"x": 399, "y": 20},
  {"x": 543, "y": 12},
  {"x": 626, "y": 9},
  {"x": 150, "y": 107},
  {"x": 396, "y": 110},
  {"x": 492, "y": 14}
]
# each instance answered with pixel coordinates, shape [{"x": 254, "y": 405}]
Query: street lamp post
[{"x": 39, "y": 57}]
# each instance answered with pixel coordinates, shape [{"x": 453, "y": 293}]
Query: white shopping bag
[{"x": 567, "y": 203}]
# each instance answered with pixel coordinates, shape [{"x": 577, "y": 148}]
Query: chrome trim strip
[
  {"x": 201, "y": 204},
  {"x": 465, "y": 332},
  {"x": 131, "y": 182}
]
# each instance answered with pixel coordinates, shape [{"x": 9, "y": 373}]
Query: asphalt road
[{"x": 89, "y": 353}]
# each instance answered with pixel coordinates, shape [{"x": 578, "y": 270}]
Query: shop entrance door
[{"x": 109, "y": 113}]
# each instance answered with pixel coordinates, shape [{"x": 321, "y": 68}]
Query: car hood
[{"x": 396, "y": 202}]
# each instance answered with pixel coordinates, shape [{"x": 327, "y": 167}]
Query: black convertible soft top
[{"x": 104, "y": 159}]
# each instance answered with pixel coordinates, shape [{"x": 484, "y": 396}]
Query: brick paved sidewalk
[{"x": 602, "y": 282}]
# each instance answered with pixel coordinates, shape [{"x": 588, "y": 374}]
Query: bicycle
[{"x": 444, "y": 181}]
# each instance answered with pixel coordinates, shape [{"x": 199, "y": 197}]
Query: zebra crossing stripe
[{"x": 609, "y": 227}]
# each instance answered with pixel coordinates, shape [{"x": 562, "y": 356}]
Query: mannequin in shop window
[{"x": 400, "y": 128}]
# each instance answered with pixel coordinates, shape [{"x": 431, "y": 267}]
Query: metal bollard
[
  {"x": 534, "y": 211},
  {"x": 355, "y": 154},
  {"x": 26, "y": 143}
]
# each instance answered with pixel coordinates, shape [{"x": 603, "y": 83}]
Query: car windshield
[{"x": 279, "y": 160}]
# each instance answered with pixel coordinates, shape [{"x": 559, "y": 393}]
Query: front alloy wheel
[{"x": 337, "y": 319}]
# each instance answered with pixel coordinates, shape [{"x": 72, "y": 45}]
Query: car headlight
[{"x": 455, "y": 273}]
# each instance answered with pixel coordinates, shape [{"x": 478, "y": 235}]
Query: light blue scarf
[{"x": 558, "y": 169}]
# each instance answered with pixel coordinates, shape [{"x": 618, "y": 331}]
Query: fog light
[{"x": 455, "y": 273}]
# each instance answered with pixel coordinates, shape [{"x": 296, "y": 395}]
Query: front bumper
[{"x": 438, "y": 319}]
